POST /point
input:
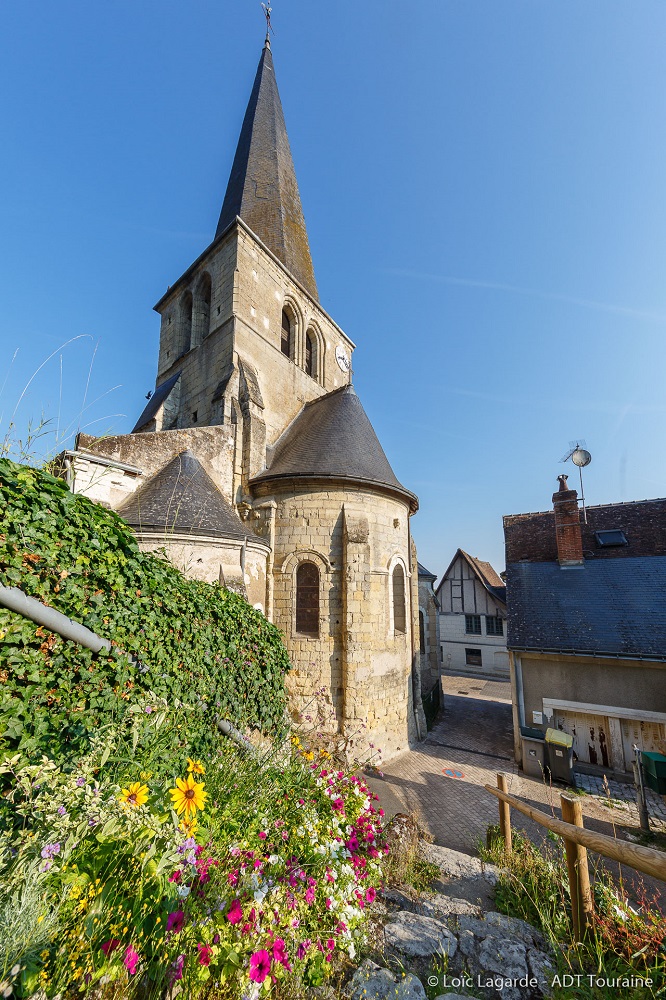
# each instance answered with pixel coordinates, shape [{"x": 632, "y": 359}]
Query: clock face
[{"x": 342, "y": 358}]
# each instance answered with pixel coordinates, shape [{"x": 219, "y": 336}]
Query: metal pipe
[
  {"x": 54, "y": 621},
  {"x": 29, "y": 607}
]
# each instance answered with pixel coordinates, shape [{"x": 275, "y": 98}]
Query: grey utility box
[
  {"x": 534, "y": 752},
  {"x": 560, "y": 755}
]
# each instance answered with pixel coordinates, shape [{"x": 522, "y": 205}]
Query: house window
[
  {"x": 399, "y": 615},
  {"x": 422, "y": 632},
  {"x": 285, "y": 342},
  {"x": 494, "y": 625},
  {"x": 307, "y": 599},
  {"x": 309, "y": 355},
  {"x": 473, "y": 657},
  {"x": 611, "y": 538},
  {"x": 473, "y": 624}
]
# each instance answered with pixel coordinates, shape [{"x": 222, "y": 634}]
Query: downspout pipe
[{"x": 15, "y": 600}]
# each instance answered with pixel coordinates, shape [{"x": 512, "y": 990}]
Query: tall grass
[{"x": 622, "y": 942}]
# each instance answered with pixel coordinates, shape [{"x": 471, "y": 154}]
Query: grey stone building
[{"x": 254, "y": 462}]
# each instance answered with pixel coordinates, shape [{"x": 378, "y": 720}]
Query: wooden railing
[{"x": 576, "y": 841}]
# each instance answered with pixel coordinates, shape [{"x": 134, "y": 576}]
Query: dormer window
[{"x": 285, "y": 342}]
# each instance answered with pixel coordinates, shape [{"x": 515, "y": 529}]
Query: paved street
[{"x": 442, "y": 779}]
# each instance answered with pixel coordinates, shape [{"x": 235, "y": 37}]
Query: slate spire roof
[
  {"x": 182, "y": 498},
  {"x": 262, "y": 187},
  {"x": 332, "y": 438}
]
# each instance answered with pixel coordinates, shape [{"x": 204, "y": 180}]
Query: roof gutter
[
  {"x": 588, "y": 652},
  {"x": 29, "y": 607}
]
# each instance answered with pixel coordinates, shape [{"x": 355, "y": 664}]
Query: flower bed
[{"x": 241, "y": 870}]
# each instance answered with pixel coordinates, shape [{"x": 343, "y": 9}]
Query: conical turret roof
[
  {"x": 332, "y": 438},
  {"x": 262, "y": 188},
  {"x": 182, "y": 498}
]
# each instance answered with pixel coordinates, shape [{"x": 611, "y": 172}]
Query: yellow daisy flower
[
  {"x": 187, "y": 796},
  {"x": 188, "y": 826},
  {"x": 195, "y": 766},
  {"x": 135, "y": 795}
]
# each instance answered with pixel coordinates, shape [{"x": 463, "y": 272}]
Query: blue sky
[{"x": 483, "y": 184}]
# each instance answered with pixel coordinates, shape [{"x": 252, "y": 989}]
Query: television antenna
[{"x": 580, "y": 457}]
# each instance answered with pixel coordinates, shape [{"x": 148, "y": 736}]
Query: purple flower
[
  {"x": 148, "y": 709},
  {"x": 80, "y": 782},
  {"x": 49, "y": 850},
  {"x": 62, "y": 811},
  {"x": 45, "y": 867}
]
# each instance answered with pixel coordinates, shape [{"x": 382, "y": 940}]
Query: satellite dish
[{"x": 581, "y": 457}]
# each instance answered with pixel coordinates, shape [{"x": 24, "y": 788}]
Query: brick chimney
[{"x": 567, "y": 525}]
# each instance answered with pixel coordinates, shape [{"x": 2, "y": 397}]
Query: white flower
[{"x": 183, "y": 891}]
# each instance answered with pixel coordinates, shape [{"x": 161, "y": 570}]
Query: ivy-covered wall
[{"x": 196, "y": 643}]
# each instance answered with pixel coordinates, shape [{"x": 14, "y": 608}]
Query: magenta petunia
[
  {"x": 205, "y": 954},
  {"x": 175, "y": 921},
  {"x": 370, "y": 895},
  {"x": 110, "y": 946},
  {"x": 235, "y": 914},
  {"x": 175, "y": 876},
  {"x": 130, "y": 959},
  {"x": 280, "y": 954},
  {"x": 260, "y": 966}
]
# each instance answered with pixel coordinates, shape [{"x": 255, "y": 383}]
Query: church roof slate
[
  {"x": 262, "y": 188},
  {"x": 182, "y": 498},
  {"x": 332, "y": 438},
  {"x": 155, "y": 401}
]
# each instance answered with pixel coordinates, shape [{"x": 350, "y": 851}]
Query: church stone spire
[{"x": 262, "y": 187}]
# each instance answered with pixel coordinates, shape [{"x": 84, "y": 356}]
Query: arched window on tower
[
  {"x": 185, "y": 323},
  {"x": 201, "y": 320},
  {"x": 286, "y": 341},
  {"x": 307, "y": 599},
  {"x": 309, "y": 355},
  {"x": 399, "y": 614}
]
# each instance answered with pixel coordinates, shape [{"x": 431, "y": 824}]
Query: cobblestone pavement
[{"x": 442, "y": 779}]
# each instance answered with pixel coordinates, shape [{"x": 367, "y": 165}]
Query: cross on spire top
[{"x": 269, "y": 27}]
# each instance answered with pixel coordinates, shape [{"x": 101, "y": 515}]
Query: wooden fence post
[
  {"x": 579, "y": 873},
  {"x": 504, "y": 813}
]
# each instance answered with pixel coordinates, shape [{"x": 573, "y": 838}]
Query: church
[{"x": 255, "y": 465}]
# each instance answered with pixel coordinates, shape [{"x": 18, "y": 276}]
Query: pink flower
[
  {"x": 177, "y": 969},
  {"x": 338, "y": 805},
  {"x": 280, "y": 953},
  {"x": 205, "y": 954},
  {"x": 130, "y": 959},
  {"x": 370, "y": 895},
  {"x": 262, "y": 836},
  {"x": 110, "y": 946},
  {"x": 302, "y": 949},
  {"x": 232, "y": 877},
  {"x": 175, "y": 876},
  {"x": 310, "y": 896},
  {"x": 235, "y": 914},
  {"x": 330, "y": 944},
  {"x": 175, "y": 921},
  {"x": 328, "y": 904},
  {"x": 260, "y": 966}
]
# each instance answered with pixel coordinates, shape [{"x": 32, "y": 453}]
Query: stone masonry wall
[{"x": 369, "y": 684}]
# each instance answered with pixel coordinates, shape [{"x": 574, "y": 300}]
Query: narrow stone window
[
  {"x": 399, "y": 615},
  {"x": 309, "y": 355},
  {"x": 201, "y": 321},
  {"x": 307, "y": 599},
  {"x": 185, "y": 322},
  {"x": 422, "y": 632},
  {"x": 285, "y": 343}
]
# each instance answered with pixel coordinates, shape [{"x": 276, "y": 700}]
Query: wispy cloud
[{"x": 497, "y": 286}]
